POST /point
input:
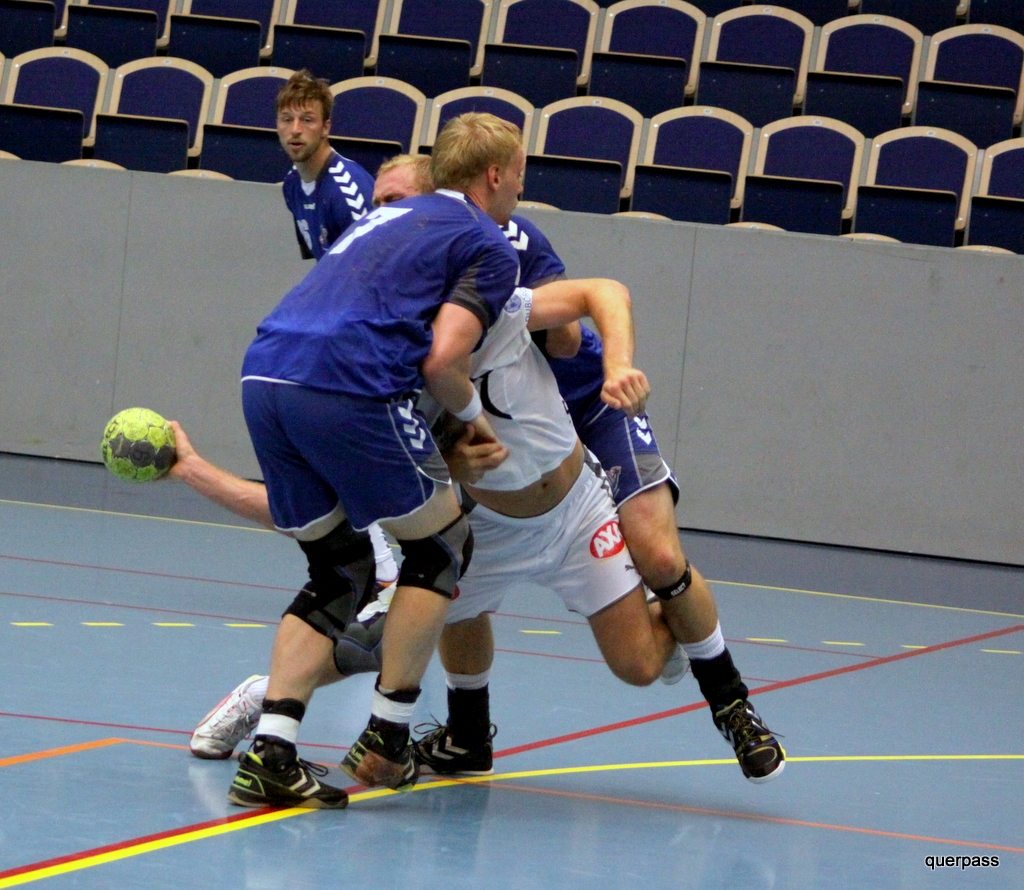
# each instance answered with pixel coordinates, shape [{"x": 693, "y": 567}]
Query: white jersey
[{"x": 521, "y": 399}]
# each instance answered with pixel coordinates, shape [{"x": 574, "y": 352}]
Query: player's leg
[{"x": 635, "y": 643}]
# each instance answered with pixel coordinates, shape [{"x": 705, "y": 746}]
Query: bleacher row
[{"x": 829, "y": 124}]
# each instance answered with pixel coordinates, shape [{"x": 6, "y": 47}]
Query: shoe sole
[
  {"x": 239, "y": 798},
  {"x": 428, "y": 770},
  {"x": 206, "y": 755},
  {"x": 774, "y": 774},
  {"x": 374, "y": 770}
]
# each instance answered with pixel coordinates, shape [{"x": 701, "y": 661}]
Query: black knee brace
[
  {"x": 358, "y": 649},
  {"x": 342, "y": 572},
  {"x": 677, "y": 588},
  {"x": 436, "y": 563}
]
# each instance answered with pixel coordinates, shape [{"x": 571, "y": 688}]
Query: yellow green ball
[{"x": 138, "y": 445}]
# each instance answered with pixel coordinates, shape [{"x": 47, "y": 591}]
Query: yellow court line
[
  {"x": 265, "y": 818},
  {"x": 555, "y": 633},
  {"x": 172, "y": 624},
  {"x": 102, "y": 624},
  {"x": 765, "y": 640},
  {"x": 1002, "y": 651},
  {"x": 838, "y": 643},
  {"x": 244, "y": 625},
  {"x": 869, "y": 599},
  {"x": 31, "y": 624}
]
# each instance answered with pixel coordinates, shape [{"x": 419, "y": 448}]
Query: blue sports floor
[{"x": 894, "y": 680}]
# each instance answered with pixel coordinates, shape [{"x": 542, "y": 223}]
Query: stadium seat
[
  {"x": 467, "y": 20},
  {"x": 164, "y": 87},
  {"x": 353, "y": 15},
  {"x": 1007, "y": 13},
  {"x": 25, "y": 25},
  {"x": 136, "y": 142},
  {"x": 580, "y": 184},
  {"x": 757, "y": 62},
  {"x": 59, "y": 77},
  {"x": 246, "y": 98},
  {"x": 196, "y": 173},
  {"x": 433, "y": 65},
  {"x": 539, "y": 74},
  {"x": 501, "y": 103},
  {"x": 694, "y": 165},
  {"x": 997, "y": 210},
  {"x": 161, "y": 8},
  {"x": 820, "y": 12},
  {"x": 266, "y": 12},
  {"x": 650, "y": 84},
  {"x": 536, "y": 205},
  {"x": 114, "y": 35},
  {"x": 334, "y": 54},
  {"x": 852, "y": 78},
  {"x": 917, "y": 187},
  {"x": 868, "y": 236},
  {"x": 565, "y": 24},
  {"x": 592, "y": 128},
  {"x": 367, "y": 153},
  {"x": 378, "y": 108},
  {"x": 928, "y": 16},
  {"x": 249, "y": 153},
  {"x": 35, "y": 133},
  {"x": 641, "y": 214},
  {"x": 805, "y": 149},
  {"x": 9, "y": 156},
  {"x": 95, "y": 163},
  {"x": 670, "y": 28},
  {"x": 220, "y": 45},
  {"x": 985, "y": 55}
]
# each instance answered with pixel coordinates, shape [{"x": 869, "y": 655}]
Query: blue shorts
[
  {"x": 626, "y": 448},
  {"x": 319, "y": 449}
]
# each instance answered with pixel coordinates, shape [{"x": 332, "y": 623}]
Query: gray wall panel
[
  {"x": 62, "y": 250},
  {"x": 206, "y": 261},
  {"x": 854, "y": 393}
]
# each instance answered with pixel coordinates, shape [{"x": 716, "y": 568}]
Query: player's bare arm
[{"x": 608, "y": 303}]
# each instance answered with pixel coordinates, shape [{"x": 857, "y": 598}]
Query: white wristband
[{"x": 473, "y": 410}]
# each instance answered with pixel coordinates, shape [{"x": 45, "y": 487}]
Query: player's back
[{"x": 360, "y": 321}]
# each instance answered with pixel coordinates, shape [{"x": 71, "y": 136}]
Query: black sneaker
[
  {"x": 369, "y": 763},
  {"x": 437, "y": 753},
  {"x": 295, "y": 786},
  {"x": 760, "y": 755}
]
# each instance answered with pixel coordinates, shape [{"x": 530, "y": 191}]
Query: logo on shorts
[
  {"x": 607, "y": 541},
  {"x": 643, "y": 429}
]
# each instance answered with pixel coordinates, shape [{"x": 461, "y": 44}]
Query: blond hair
[
  {"x": 468, "y": 145},
  {"x": 303, "y": 89},
  {"x": 420, "y": 165}
]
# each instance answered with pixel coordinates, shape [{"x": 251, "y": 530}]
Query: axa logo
[{"x": 607, "y": 541}]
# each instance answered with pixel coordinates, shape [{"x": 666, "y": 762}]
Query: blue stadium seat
[
  {"x": 501, "y": 103},
  {"x": 334, "y": 54},
  {"x": 35, "y": 133},
  {"x": 539, "y": 74},
  {"x": 433, "y": 65},
  {"x": 592, "y": 128},
  {"x": 250, "y": 153},
  {"x": 150, "y": 144},
  {"x": 378, "y": 108},
  {"x": 702, "y": 138},
  {"x": 565, "y": 24},
  {"x": 59, "y": 77},
  {"x": 161, "y": 8},
  {"x": 114, "y": 35},
  {"x": 686, "y": 194},
  {"x": 818, "y": 11},
  {"x": 265, "y": 12},
  {"x": 928, "y": 16},
  {"x": 220, "y": 45},
  {"x": 982, "y": 114},
  {"x": 353, "y": 15},
  {"x": 806, "y": 149},
  {"x": 650, "y": 84},
  {"x": 165, "y": 87},
  {"x": 997, "y": 210},
  {"x": 918, "y": 186},
  {"x": 1002, "y": 170},
  {"x": 246, "y": 98},
  {"x": 25, "y": 25},
  {"x": 1008, "y": 13},
  {"x": 467, "y": 20},
  {"x": 367, "y": 153},
  {"x": 580, "y": 184},
  {"x": 671, "y": 28}
]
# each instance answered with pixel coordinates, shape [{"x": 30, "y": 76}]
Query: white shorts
[{"x": 576, "y": 550}]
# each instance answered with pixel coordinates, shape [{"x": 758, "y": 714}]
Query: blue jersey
[
  {"x": 360, "y": 322},
  {"x": 579, "y": 378},
  {"x": 342, "y": 195}
]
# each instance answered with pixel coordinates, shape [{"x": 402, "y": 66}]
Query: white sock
[
  {"x": 707, "y": 649},
  {"x": 392, "y": 711},
  {"x": 468, "y": 681},
  {"x": 286, "y": 728},
  {"x": 387, "y": 568}
]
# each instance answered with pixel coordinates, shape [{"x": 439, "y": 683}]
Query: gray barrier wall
[{"x": 816, "y": 389}]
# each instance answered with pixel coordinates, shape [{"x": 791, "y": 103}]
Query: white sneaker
[
  {"x": 676, "y": 667},
  {"x": 379, "y": 605},
  {"x": 231, "y": 721}
]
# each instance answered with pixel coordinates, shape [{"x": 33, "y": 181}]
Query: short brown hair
[
  {"x": 420, "y": 165},
  {"x": 304, "y": 89},
  {"x": 469, "y": 144}
]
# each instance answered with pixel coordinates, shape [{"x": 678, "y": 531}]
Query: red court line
[
  {"x": 134, "y": 842},
  {"x": 771, "y": 687},
  {"x": 61, "y": 599},
  {"x": 76, "y": 565}
]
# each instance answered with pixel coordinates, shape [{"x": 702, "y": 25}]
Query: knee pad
[
  {"x": 342, "y": 572},
  {"x": 678, "y": 588},
  {"x": 436, "y": 563},
  {"x": 358, "y": 649}
]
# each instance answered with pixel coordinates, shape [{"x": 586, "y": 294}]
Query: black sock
[
  {"x": 720, "y": 682},
  {"x": 469, "y": 716}
]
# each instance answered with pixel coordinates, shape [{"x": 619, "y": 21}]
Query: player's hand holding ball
[{"x": 138, "y": 445}]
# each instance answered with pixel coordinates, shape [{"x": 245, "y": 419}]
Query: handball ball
[{"x": 138, "y": 445}]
